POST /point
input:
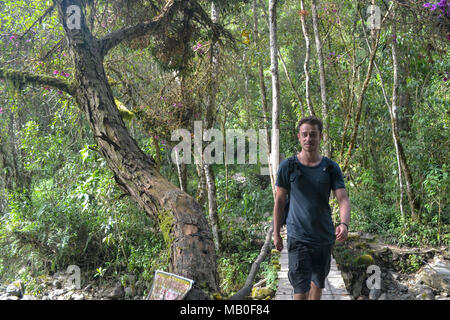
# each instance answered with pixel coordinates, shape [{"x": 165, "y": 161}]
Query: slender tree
[{"x": 275, "y": 141}]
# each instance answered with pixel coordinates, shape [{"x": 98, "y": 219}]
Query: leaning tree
[{"x": 180, "y": 217}]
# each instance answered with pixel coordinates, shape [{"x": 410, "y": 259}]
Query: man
[{"x": 310, "y": 230}]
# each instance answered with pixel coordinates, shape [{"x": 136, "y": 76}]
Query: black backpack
[{"x": 294, "y": 171}]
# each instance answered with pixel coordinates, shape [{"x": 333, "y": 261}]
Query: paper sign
[{"x": 169, "y": 286}]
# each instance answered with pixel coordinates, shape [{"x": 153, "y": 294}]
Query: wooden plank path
[{"x": 334, "y": 284}]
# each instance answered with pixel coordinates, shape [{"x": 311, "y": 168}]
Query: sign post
[{"x": 169, "y": 286}]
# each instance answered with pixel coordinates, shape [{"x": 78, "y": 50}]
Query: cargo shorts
[{"x": 307, "y": 263}]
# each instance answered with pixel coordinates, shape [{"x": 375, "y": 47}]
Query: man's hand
[
  {"x": 341, "y": 233},
  {"x": 278, "y": 242}
]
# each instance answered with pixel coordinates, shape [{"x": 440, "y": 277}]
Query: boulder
[
  {"x": 262, "y": 293},
  {"x": 78, "y": 296},
  {"x": 14, "y": 290},
  {"x": 436, "y": 274},
  {"x": 426, "y": 294},
  {"x": 374, "y": 294},
  {"x": 115, "y": 292},
  {"x": 56, "y": 293}
]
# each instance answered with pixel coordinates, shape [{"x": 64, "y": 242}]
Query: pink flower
[
  {"x": 12, "y": 37},
  {"x": 55, "y": 72},
  {"x": 1, "y": 110}
]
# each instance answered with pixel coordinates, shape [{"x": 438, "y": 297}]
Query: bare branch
[
  {"x": 247, "y": 288},
  {"x": 20, "y": 78}
]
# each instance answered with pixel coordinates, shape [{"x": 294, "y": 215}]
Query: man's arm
[
  {"x": 344, "y": 213},
  {"x": 278, "y": 215}
]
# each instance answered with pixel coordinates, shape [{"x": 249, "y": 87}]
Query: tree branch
[
  {"x": 247, "y": 288},
  {"x": 20, "y": 78},
  {"x": 114, "y": 38},
  {"x": 39, "y": 20}
]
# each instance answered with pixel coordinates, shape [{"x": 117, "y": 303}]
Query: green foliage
[
  {"x": 72, "y": 216},
  {"x": 411, "y": 264}
]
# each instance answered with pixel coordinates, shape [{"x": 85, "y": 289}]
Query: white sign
[{"x": 169, "y": 286}]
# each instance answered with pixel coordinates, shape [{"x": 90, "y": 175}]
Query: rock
[
  {"x": 13, "y": 290},
  {"x": 28, "y": 297},
  {"x": 115, "y": 292},
  {"x": 383, "y": 296},
  {"x": 57, "y": 284},
  {"x": 261, "y": 293},
  {"x": 78, "y": 296},
  {"x": 357, "y": 286},
  {"x": 365, "y": 259},
  {"x": 426, "y": 294},
  {"x": 129, "y": 292},
  {"x": 402, "y": 287},
  {"x": 12, "y": 298},
  {"x": 88, "y": 287},
  {"x": 436, "y": 274},
  {"x": 68, "y": 295},
  {"x": 374, "y": 294},
  {"x": 406, "y": 296},
  {"x": 56, "y": 293}
]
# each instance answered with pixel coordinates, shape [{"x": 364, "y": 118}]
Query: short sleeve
[
  {"x": 337, "y": 179},
  {"x": 282, "y": 175}
]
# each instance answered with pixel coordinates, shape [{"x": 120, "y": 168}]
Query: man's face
[{"x": 309, "y": 137}]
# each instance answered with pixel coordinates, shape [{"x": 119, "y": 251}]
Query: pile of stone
[{"x": 57, "y": 287}]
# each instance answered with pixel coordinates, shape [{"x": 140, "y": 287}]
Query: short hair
[{"x": 312, "y": 120}]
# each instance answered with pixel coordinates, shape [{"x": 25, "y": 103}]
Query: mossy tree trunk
[{"x": 191, "y": 244}]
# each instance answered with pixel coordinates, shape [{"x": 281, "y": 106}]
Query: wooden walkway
[{"x": 334, "y": 284}]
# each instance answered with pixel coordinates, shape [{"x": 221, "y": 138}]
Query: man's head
[{"x": 310, "y": 133}]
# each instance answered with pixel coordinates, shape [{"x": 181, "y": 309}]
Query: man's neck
[{"x": 309, "y": 158}]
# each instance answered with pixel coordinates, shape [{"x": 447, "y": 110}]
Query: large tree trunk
[{"x": 181, "y": 218}]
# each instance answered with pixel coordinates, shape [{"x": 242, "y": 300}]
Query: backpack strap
[
  {"x": 329, "y": 166},
  {"x": 293, "y": 168}
]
